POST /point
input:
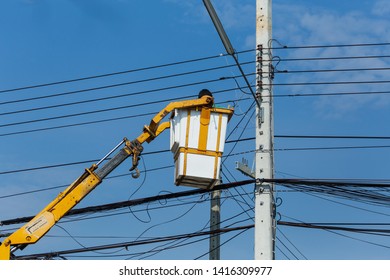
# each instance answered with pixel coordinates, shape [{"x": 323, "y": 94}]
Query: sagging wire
[
  {"x": 284, "y": 245},
  {"x": 281, "y": 232},
  {"x": 223, "y": 243},
  {"x": 154, "y": 250},
  {"x": 201, "y": 200},
  {"x": 344, "y": 235},
  {"x": 81, "y": 245}
]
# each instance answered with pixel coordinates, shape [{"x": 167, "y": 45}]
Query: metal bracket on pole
[{"x": 244, "y": 168}]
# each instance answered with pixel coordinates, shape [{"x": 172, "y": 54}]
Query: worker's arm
[{"x": 90, "y": 179}]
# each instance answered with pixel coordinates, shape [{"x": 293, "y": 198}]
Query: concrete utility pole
[
  {"x": 215, "y": 224},
  {"x": 264, "y": 203}
]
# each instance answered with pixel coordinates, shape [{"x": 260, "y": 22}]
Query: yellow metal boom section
[{"x": 35, "y": 229}]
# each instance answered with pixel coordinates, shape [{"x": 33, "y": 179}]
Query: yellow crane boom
[{"x": 35, "y": 229}]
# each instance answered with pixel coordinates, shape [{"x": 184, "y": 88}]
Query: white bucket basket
[{"x": 197, "y": 143}]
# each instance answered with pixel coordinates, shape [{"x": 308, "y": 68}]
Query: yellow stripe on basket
[
  {"x": 204, "y": 129},
  {"x": 218, "y": 144},
  {"x": 186, "y": 144}
]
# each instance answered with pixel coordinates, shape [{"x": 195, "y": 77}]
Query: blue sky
[{"x": 47, "y": 41}]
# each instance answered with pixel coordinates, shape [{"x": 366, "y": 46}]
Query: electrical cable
[
  {"x": 229, "y": 141},
  {"x": 64, "y": 186},
  {"x": 284, "y": 47},
  {"x": 171, "y": 220},
  {"x": 333, "y": 148},
  {"x": 122, "y": 204},
  {"x": 132, "y": 243},
  {"x": 95, "y": 121},
  {"x": 284, "y": 254},
  {"x": 151, "y": 252},
  {"x": 126, "y": 117},
  {"x": 154, "y": 251},
  {"x": 117, "y": 85},
  {"x": 183, "y": 62},
  {"x": 345, "y": 236},
  {"x": 330, "y": 58},
  {"x": 228, "y": 240},
  {"x": 333, "y": 137},
  {"x": 103, "y": 110},
  {"x": 289, "y": 241},
  {"x": 364, "y": 192},
  {"x": 339, "y": 228},
  {"x": 348, "y": 205},
  {"x": 78, "y": 163},
  {"x": 331, "y": 70},
  {"x": 330, "y": 83},
  {"x": 102, "y": 87},
  {"x": 115, "y": 212},
  {"x": 98, "y": 76},
  {"x": 285, "y": 246}
]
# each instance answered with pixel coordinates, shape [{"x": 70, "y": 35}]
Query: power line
[
  {"x": 108, "y": 109},
  {"x": 348, "y": 205},
  {"x": 333, "y": 137},
  {"x": 370, "y": 183},
  {"x": 343, "y": 235},
  {"x": 134, "y": 105},
  {"x": 108, "y": 74},
  {"x": 244, "y": 229},
  {"x": 85, "y": 101},
  {"x": 362, "y": 191},
  {"x": 116, "y": 85},
  {"x": 154, "y": 251},
  {"x": 115, "y": 212},
  {"x": 126, "y": 117},
  {"x": 98, "y": 76},
  {"x": 294, "y": 183},
  {"x": 331, "y": 58},
  {"x": 79, "y": 162},
  {"x": 230, "y": 154},
  {"x": 171, "y": 246},
  {"x": 127, "y": 203},
  {"x": 331, "y": 83},
  {"x": 317, "y": 149},
  {"x": 285, "y": 47},
  {"x": 289, "y": 241},
  {"x": 103, "y": 120},
  {"x": 330, "y": 70},
  {"x": 156, "y": 78},
  {"x": 76, "y": 124},
  {"x": 64, "y": 186},
  {"x": 333, "y": 148},
  {"x": 190, "y": 61},
  {"x": 331, "y": 94},
  {"x": 105, "y": 87},
  {"x": 329, "y": 227},
  {"x": 284, "y": 245},
  {"x": 134, "y": 243}
]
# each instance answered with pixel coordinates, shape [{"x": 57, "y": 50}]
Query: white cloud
[
  {"x": 302, "y": 26},
  {"x": 233, "y": 14},
  {"x": 297, "y": 25},
  {"x": 236, "y": 15},
  {"x": 381, "y": 8}
]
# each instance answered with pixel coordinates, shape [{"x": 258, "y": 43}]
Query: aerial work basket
[{"x": 197, "y": 142}]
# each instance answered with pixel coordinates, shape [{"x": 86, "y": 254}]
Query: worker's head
[{"x": 204, "y": 92}]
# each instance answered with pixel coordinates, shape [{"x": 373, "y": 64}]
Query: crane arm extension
[{"x": 35, "y": 229}]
